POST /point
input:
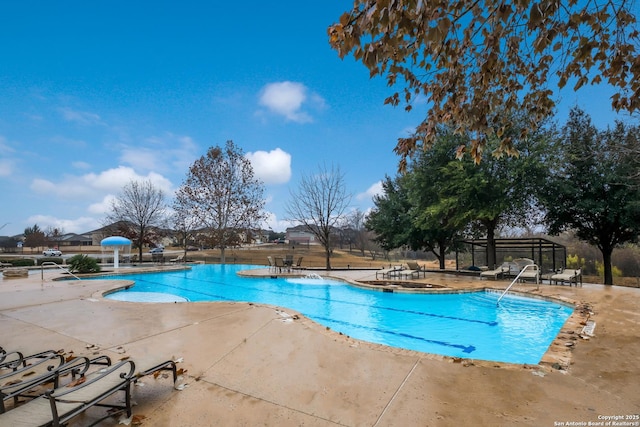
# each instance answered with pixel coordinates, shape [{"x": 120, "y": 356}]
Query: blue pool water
[{"x": 469, "y": 325}]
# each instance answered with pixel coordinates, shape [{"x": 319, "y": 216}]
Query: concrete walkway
[{"x": 252, "y": 365}]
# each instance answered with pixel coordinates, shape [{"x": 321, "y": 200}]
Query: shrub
[
  {"x": 19, "y": 262},
  {"x": 57, "y": 260},
  {"x": 615, "y": 271},
  {"x": 23, "y": 262},
  {"x": 83, "y": 264},
  {"x": 575, "y": 262}
]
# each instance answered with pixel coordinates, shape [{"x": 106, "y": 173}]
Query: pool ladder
[{"x": 516, "y": 279}]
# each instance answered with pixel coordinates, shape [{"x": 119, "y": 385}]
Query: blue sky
[{"x": 95, "y": 94}]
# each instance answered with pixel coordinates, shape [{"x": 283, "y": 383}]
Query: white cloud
[
  {"x": 272, "y": 167},
  {"x": 273, "y": 223},
  {"x": 91, "y": 185},
  {"x": 374, "y": 190},
  {"x": 165, "y": 153},
  {"x": 287, "y": 99},
  {"x": 6, "y": 167},
  {"x": 77, "y": 225},
  {"x": 102, "y": 207},
  {"x": 80, "y": 117}
]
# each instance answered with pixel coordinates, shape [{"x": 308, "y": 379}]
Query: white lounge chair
[
  {"x": 496, "y": 273},
  {"x": 530, "y": 272},
  {"x": 567, "y": 275},
  {"x": 413, "y": 265},
  {"x": 388, "y": 272},
  {"x": 179, "y": 258}
]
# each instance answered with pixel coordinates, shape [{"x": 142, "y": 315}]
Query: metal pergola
[{"x": 548, "y": 254}]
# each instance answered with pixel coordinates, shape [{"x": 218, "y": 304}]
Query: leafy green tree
[
  {"x": 222, "y": 194},
  {"x": 437, "y": 216},
  {"x": 390, "y": 218},
  {"x": 440, "y": 199},
  {"x": 470, "y": 58},
  {"x": 500, "y": 190},
  {"x": 590, "y": 190},
  {"x": 34, "y": 237}
]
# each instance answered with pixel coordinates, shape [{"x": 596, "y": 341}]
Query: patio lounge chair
[
  {"x": 408, "y": 273},
  {"x": 388, "y": 272},
  {"x": 59, "y": 405},
  {"x": 48, "y": 368},
  {"x": 530, "y": 272},
  {"x": 272, "y": 265},
  {"x": 413, "y": 265},
  {"x": 179, "y": 258},
  {"x": 496, "y": 273},
  {"x": 9, "y": 359},
  {"x": 567, "y": 275}
]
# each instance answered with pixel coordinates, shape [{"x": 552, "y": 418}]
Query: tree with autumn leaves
[
  {"x": 474, "y": 59},
  {"x": 222, "y": 193}
]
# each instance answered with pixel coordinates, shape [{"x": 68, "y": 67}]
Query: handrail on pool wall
[
  {"x": 516, "y": 279},
  {"x": 57, "y": 265}
]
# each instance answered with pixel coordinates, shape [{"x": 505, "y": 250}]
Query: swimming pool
[{"x": 469, "y": 325}]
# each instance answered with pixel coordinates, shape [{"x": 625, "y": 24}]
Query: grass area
[{"x": 313, "y": 256}]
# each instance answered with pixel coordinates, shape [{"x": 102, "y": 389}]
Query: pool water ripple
[{"x": 471, "y": 325}]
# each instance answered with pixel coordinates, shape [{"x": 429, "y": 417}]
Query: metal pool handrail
[
  {"x": 57, "y": 265},
  {"x": 515, "y": 280}
]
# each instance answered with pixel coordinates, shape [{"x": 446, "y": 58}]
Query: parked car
[
  {"x": 51, "y": 252},
  {"x": 156, "y": 251}
]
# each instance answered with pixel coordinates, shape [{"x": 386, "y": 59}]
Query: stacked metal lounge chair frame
[
  {"x": 61, "y": 403},
  {"x": 29, "y": 373},
  {"x": 388, "y": 272}
]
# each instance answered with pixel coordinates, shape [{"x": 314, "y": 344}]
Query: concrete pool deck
[{"x": 248, "y": 364}]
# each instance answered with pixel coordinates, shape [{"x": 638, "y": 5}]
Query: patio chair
[
  {"x": 179, "y": 258},
  {"x": 298, "y": 264},
  {"x": 408, "y": 273},
  {"x": 567, "y": 275},
  {"x": 530, "y": 272},
  {"x": 15, "y": 359},
  {"x": 288, "y": 261},
  {"x": 9, "y": 359},
  {"x": 47, "y": 368},
  {"x": 279, "y": 264},
  {"x": 59, "y": 405},
  {"x": 496, "y": 273},
  {"x": 413, "y": 265},
  {"x": 388, "y": 272}
]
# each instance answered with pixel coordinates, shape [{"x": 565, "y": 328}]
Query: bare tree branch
[{"x": 319, "y": 204}]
